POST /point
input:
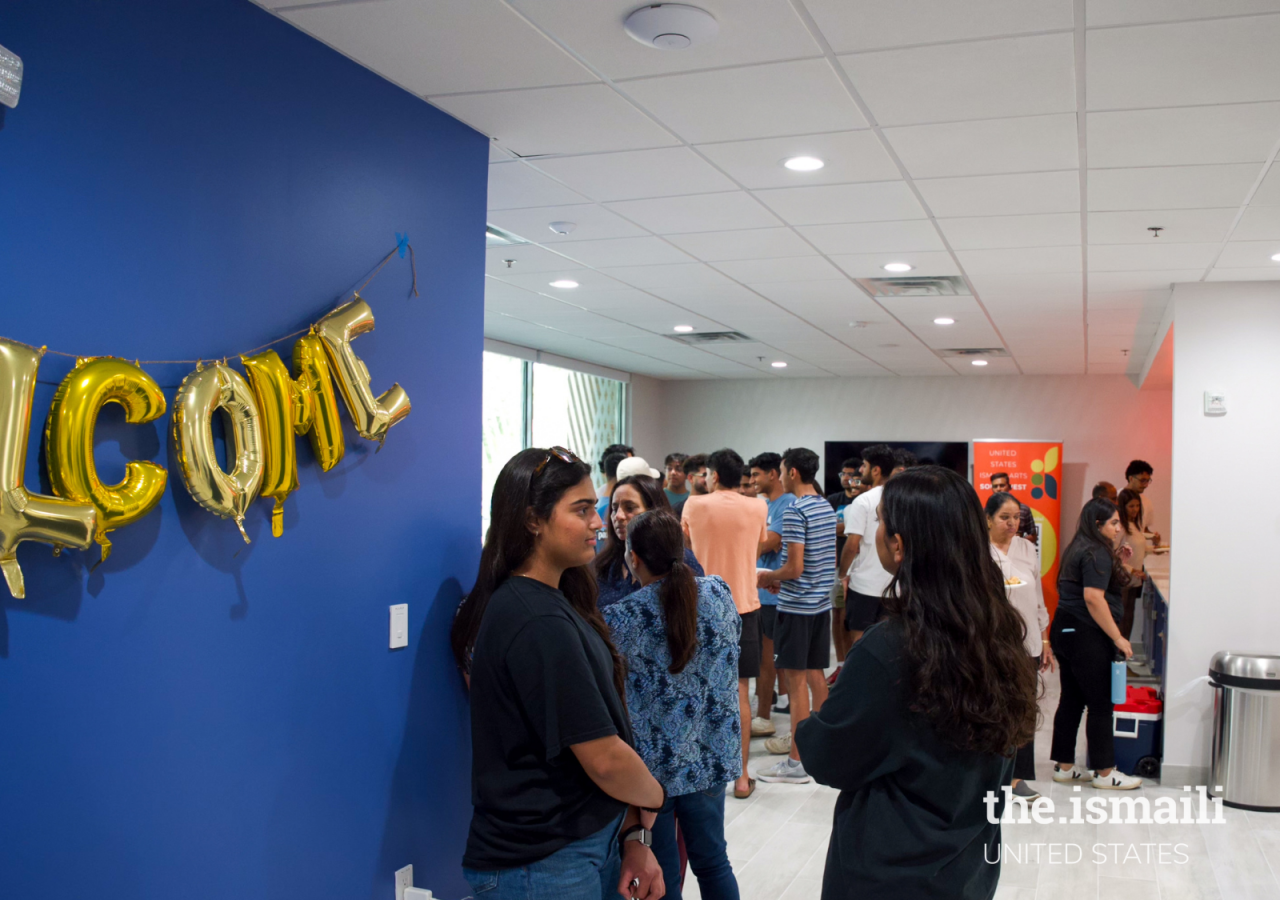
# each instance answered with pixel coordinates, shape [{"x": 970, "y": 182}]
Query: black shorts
[
  {"x": 802, "y": 642},
  {"x": 860, "y": 610},
  {"x": 749, "y": 646},
  {"x": 768, "y": 620}
]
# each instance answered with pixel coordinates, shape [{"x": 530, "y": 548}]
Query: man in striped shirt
[{"x": 802, "y": 635}]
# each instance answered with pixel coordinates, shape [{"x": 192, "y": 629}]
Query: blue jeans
[
  {"x": 574, "y": 872},
  {"x": 701, "y": 816}
]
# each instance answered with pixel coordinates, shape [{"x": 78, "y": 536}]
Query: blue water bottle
[{"x": 1119, "y": 677}]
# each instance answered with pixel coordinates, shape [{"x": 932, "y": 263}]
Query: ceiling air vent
[
  {"x": 986, "y": 352},
  {"x": 918, "y": 286},
  {"x": 712, "y": 337}
]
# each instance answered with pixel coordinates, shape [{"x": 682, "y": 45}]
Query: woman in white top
[
  {"x": 1018, "y": 562},
  {"x": 1134, "y": 536}
]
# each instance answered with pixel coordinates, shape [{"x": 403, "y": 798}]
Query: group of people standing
[{"x": 601, "y": 640}]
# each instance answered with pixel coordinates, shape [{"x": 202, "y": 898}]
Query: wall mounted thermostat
[{"x": 1215, "y": 403}]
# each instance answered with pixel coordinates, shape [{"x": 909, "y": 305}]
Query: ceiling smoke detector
[{"x": 671, "y": 26}]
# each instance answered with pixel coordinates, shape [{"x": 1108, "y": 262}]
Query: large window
[{"x": 530, "y": 404}]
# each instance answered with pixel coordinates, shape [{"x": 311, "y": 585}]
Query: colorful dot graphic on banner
[{"x": 1044, "y": 484}]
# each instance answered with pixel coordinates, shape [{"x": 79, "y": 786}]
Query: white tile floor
[{"x": 778, "y": 845}]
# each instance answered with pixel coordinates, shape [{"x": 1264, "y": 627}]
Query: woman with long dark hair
[
  {"x": 631, "y": 496},
  {"x": 1020, "y": 567},
  {"x": 679, "y": 634},
  {"x": 921, "y": 726},
  {"x": 1133, "y": 553},
  {"x": 1086, "y": 638},
  {"x": 555, "y": 782}
]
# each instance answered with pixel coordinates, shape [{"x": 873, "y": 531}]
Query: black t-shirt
[
  {"x": 911, "y": 821},
  {"x": 1088, "y": 567},
  {"x": 541, "y": 680},
  {"x": 839, "y": 500}
]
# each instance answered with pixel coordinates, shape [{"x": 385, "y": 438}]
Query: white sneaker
[
  {"x": 1072, "y": 775},
  {"x": 788, "y": 771},
  {"x": 779, "y": 746},
  {"x": 762, "y": 728},
  {"x": 1116, "y": 781}
]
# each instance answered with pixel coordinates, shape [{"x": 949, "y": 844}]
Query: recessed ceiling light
[
  {"x": 898, "y": 267},
  {"x": 779, "y": 364},
  {"x": 564, "y": 283},
  {"x": 1275, "y": 257},
  {"x": 684, "y": 328},
  {"x": 979, "y": 362},
  {"x": 944, "y": 320},
  {"x": 804, "y": 163}
]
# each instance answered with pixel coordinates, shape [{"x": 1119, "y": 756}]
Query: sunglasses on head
[{"x": 559, "y": 453}]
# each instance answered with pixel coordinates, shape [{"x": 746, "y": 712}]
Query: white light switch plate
[
  {"x": 400, "y": 633},
  {"x": 404, "y": 877}
]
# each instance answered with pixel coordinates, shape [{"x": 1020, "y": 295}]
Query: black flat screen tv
[{"x": 952, "y": 454}]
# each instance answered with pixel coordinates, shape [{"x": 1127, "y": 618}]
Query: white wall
[
  {"x": 1223, "y": 590},
  {"x": 645, "y": 405},
  {"x": 1103, "y": 421}
]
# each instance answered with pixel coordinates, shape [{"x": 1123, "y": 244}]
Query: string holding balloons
[{"x": 265, "y": 411}]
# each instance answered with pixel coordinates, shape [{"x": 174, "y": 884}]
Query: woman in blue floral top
[{"x": 679, "y": 634}]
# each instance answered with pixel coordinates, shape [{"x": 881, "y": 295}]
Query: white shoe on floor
[
  {"x": 787, "y": 771},
  {"x": 779, "y": 746},
  {"x": 1116, "y": 780},
  {"x": 1072, "y": 775},
  {"x": 762, "y": 728}
]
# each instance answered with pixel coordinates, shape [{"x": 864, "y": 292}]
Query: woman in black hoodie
[{"x": 924, "y": 719}]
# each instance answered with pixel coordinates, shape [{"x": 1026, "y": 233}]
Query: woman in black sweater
[{"x": 923, "y": 721}]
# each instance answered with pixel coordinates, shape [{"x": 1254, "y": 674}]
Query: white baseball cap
[{"x": 635, "y": 465}]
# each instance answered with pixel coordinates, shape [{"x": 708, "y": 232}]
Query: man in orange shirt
[{"x": 725, "y": 530}]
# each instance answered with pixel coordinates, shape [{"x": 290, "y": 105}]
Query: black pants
[
  {"x": 1024, "y": 761},
  {"x": 1084, "y": 655},
  {"x": 1130, "y": 598}
]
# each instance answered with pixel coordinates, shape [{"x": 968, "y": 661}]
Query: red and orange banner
[{"x": 1035, "y": 479}]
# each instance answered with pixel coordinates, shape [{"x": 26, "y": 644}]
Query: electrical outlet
[{"x": 404, "y": 879}]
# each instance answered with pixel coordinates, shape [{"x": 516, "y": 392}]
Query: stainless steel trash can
[{"x": 1245, "y": 756}]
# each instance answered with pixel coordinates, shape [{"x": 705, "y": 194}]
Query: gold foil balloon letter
[
  {"x": 202, "y": 393},
  {"x": 316, "y": 409},
  {"x": 92, "y": 384},
  {"x": 373, "y": 417},
  {"x": 25, "y": 516}
]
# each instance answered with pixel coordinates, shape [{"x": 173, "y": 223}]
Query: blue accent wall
[{"x": 199, "y": 718}]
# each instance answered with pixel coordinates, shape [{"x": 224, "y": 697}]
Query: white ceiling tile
[
  {"x": 995, "y": 232},
  {"x": 658, "y": 277},
  {"x": 1194, "y": 135},
  {"x": 1249, "y": 254},
  {"x": 751, "y": 31},
  {"x": 760, "y": 243},
  {"x": 634, "y": 251},
  {"x": 1002, "y": 195},
  {"x": 1151, "y": 255},
  {"x": 442, "y": 47},
  {"x": 1261, "y": 274},
  {"x": 587, "y": 279},
  {"x": 1146, "y": 301},
  {"x": 1019, "y": 76},
  {"x": 849, "y": 156},
  {"x": 587, "y": 118},
  {"x": 630, "y": 175},
  {"x": 1026, "y": 259},
  {"x": 995, "y": 366},
  {"x": 1101, "y": 13},
  {"x": 852, "y": 25},
  {"x": 527, "y": 258},
  {"x": 987, "y": 147},
  {"x": 1103, "y": 282},
  {"x": 1259, "y": 223},
  {"x": 1170, "y": 187},
  {"x": 796, "y": 268},
  {"x": 879, "y": 201},
  {"x": 751, "y": 102},
  {"x": 971, "y": 328},
  {"x": 874, "y": 237},
  {"x": 871, "y": 265},
  {"x": 1186, "y": 64},
  {"x": 593, "y": 223},
  {"x": 1182, "y": 226},
  {"x": 513, "y": 185},
  {"x": 697, "y": 212},
  {"x": 1061, "y": 286}
]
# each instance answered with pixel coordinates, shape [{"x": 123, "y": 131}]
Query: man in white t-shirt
[{"x": 860, "y": 565}]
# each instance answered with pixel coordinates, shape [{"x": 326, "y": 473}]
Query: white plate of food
[{"x": 1015, "y": 583}]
